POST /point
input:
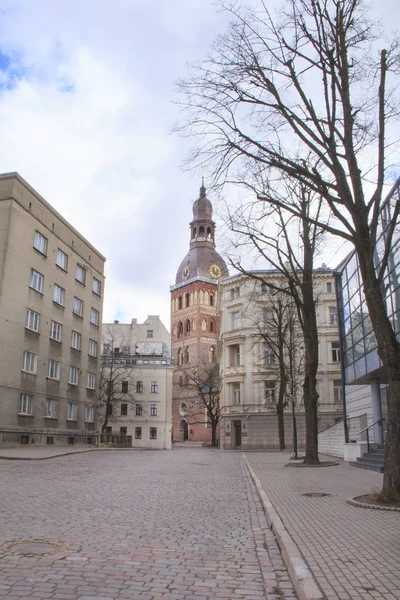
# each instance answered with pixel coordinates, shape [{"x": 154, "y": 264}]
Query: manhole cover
[
  {"x": 315, "y": 494},
  {"x": 31, "y": 547}
]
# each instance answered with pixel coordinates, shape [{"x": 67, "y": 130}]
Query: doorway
[
  {"x": 183, "y": 431},
  {"x": 238, "y": 433}
]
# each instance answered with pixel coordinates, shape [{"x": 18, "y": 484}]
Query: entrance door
[
  {"x": 183, "y": 430},
  {"x": 238, "y": 433}
]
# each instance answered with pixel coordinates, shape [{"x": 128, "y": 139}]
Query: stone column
[{"x": 377, "y": 411}]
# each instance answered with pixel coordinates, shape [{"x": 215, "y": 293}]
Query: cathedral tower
[{"x": 194, "y": 327}]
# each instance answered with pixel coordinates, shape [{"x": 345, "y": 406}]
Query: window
[
  {"x": 36, "y": 281},
  {"x": 337, "y": 391},
  {"x": 32, "y": 320},
  {"x": 153, "y": 433},
  {"x": 123, "y": 430},
  {"x": 211, "y": 326},
  {"x": 124, "y": 410},
  {"x": 54, "y": 369},
  {"x": 235, "y": 393},
  {"x": 329, "y": 287},
  {"x": 149, "y": 333},
  {"x": 61, "y": 260},
  {"x": 93, "y": 348},
  {"x": 139, "y": 387},
  {"x": 108, "y": 430},
  {"x": 180, "y": 329},
  {"x": 55, "y": 331},
  {"x": 153, "y": 410},
  {"x": 89, "y": 414},
  {"x": 264, "y": 287},
  {"x": 268, "y": 315},
  {"x": 235, "y": 316},
  {"x": 183, "y": 409},
  {"x": 180, "y": 303},
  {"x": 235, "y": 293},
  {"x": 335, "y": 351},
  {"x": 29, "y": 362},
  {"x": 234, "y": 355},
  {"x": 333, "y": 316},
  {"x": 269, "y": 392},
  {"x": 124, "y": 387},
  {"x": 77, "y": 307},
  {"x": 154, "y": 387},
  {"x": 211, "y": 300},
  {"x": 138, "y": 433},
  {"x": 80, "y": 274},
  {"x": 180, "y": 357},
  {"x": 40, "y": 243},
  {"x": 187, "y": 300},
  {"x": 187, "y": 326},
  {"x": 71, "y": 411},
  {"x": 269, "y": 354},
  {"x": 96, "y": 286},
  {"x": 139, "y": 410},
  {"x": 73, "y": 376},
  {"x": 94, "y": 316},
  {"x": 59, "y": 294},
  {"x": 187, "y": 355},
  {"x": 91, "y": 381},
  {"x": 51, "y": 409},
  {"x": 76, "y": 340},
  {"x": 25, "y": 404}
]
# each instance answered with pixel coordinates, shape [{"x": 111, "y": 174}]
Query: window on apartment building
[
  {"x": 153, "y": 410},
  {"x": 268, "y": 316},
  {"x": 329, "y": 287},
  {"x": 269, "y": 354},
  {"x": 139, "y": 387},
  {"x": 333, "y": 316},
  {"x": 55, "y": 331},
  {"x": 29, "y": 362},
  {"x": 124, "y": 410},
  {"x": 51, "y": 408},
  {"x": 149, "y": 333},
  {"x": 54, "y": 369},
  {"x": 40, "y": 243},
  {"x": 264, "y": 287},
  {"x": 25, "y": 404},
  {"x": 89, "y": 413},
  {"x": 138, "y": 433},
  {"x": 235, "y": 393},
  {"x": 153, "y": 433},
  {"x": 71, "y": 411},
  {"x": 93, "y": 348},
  {"x": 59, "y": 294},
  {"x": 62, "y": 260},
  {"x": 235, "y": 319},
  {"x": 154, "y": 387},
  {"x": 73, "y": 376},
  {"x": 234, "y": 355},
  {"x": 91, "y": 381},
  {"x": 337, "y": 391},
  {"x": 139, "y": 410},
  {"x": 96, "y": 286},
  {"x": 36, "y": 281},
  {"x": 94, "y": 316},
  {"x": 123, "y": 430},
  {"x": 108, "y": 430},
  {"x": 80, "y": 274},
  {"x": 269, "y": 392},
  {"x": 124, "y": 387},
  {"x": 235, "y": 293},
  {"x": 76, "y": 340},
  {"x": 32, "y": 320},
  {"x": 77, "y": 307},
  {"x": 335, "y": 351}
]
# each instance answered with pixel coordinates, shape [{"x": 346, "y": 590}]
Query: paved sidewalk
[
  {"x": 40, "y": 452},
  {"x": 353, "y": 553}
]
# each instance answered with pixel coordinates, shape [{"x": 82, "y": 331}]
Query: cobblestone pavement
[
  {"x": 179, "y": 525},
  {"x": 354, "y": 553}
]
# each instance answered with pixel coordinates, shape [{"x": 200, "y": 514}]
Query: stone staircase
[{"x": 372, "y": 460}]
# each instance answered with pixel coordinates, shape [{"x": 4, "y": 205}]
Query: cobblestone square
[{"x": 179, "y": 525}]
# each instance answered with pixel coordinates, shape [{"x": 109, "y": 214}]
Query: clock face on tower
[
  {"x": 185, "y": 272},
  {"x": 214, "y": 271}
]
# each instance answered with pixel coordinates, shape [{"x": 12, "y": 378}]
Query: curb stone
[
  {"x": 353, "y": 502},
  {"x": 302, "y": 579},
  {"x": 73, "y": 452}
]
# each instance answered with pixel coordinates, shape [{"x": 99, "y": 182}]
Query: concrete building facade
[
  {"x": 51, "y": 300},
  {"x": 249, "y": 371},
  {"x": 140, "y": 354}
]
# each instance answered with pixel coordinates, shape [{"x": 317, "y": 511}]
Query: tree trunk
[
  {"x": 294, "y": 425},
  {"x": 281, "y": 426},
  {"x": 213, "y": 434}
]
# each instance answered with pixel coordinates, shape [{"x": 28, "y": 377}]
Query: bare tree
[
  {"x": 116, "y": 377},
  {"x": 203, "y": 384},
  {"x": 307, "y": 94}
]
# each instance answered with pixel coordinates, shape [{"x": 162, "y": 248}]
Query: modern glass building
[{"x": 361, "y": 363}]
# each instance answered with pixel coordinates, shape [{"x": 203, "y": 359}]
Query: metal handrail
[{"x": 367, "y": 430}]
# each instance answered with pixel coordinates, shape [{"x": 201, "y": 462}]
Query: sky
[{"x": 86, "y": 118}]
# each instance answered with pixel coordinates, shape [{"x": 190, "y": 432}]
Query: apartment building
[
  {"x": 249, "y": 365},
  {"x": 137, "y": 374},
  {"x": 51, "y": 299}
]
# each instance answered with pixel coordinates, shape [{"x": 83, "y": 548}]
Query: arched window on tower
[
  {"x": 208, "y": 232},
  {"x": 194, "y": 233},
  {"x": 187, "y": 355},
  {"x": 179, "y": 302},
  {"x": 180, "y": 329},
  {"x": 212, "y": 326},
  {"x": 187, "y": 300},
  {"x": 201, "y": 231},
  {"x": 180, "y": 357},
  {"x": 211, "y": 354},
  {"x": 204, "y": 325},
  {"x": 211, "y": 300},
  {"x": 188, "y": 326}
]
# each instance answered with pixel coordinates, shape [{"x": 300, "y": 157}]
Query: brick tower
[{"x": 194, "y": 326}]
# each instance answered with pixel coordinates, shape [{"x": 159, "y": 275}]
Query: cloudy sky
[{"x": 86, "y": 113}]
